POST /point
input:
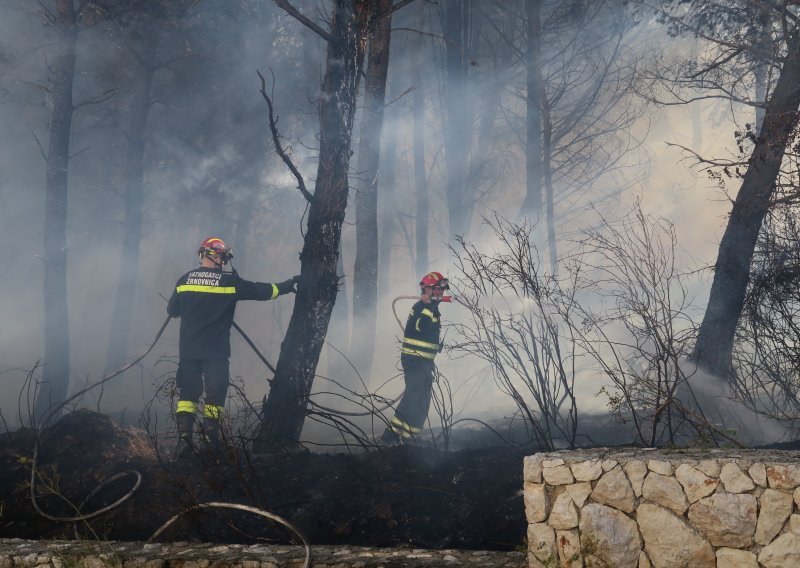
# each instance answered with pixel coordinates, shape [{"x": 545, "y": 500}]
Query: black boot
[
  {"x": 185, "y": 423},
  {"x": 212, "y": 432},
  {"x": 389, "y": 438}
]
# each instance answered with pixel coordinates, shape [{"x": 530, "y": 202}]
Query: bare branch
[
  {"x": 273, "y": 127},
  {"x": 392, "y": 10},
  {"x": 101, "y": 98},
  {"x": 297, "y": 15},
  {"x": 400, "y": 96},
  {"x": 39, "y": 144}
]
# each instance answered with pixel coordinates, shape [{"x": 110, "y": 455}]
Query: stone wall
[
  {"x": 643, "y": 508},
  {"x": 17, "y": 553}
]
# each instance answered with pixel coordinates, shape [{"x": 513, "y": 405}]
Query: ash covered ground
[{"x": 399, "y": 496}]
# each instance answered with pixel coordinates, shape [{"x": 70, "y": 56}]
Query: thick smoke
[{"x": 210, "y": 169}]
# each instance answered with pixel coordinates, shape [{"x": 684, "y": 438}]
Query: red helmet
[
  {"x": 434, "y": 280},
  {"x": 213, "y": 247}
]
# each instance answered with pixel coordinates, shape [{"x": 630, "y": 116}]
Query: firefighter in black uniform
[
  {"x": 420, "y": 346},
  {"x": 205, "y": 299}
]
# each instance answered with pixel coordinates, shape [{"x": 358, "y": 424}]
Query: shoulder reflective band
[
  {"x": 206, "y": 289},
  {"x": 274, "y": 291},
  {"x": 427, "y": 312}
]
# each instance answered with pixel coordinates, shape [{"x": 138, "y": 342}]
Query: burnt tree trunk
[
  {"x": 284, "y": 409},
  {"x": 143, "y": 44},
  {"x": 714, "y": 345},
  {"x": 365, "y": 277},
  {"x": 456, "y": 24},
  {"x": 55, "y": 381},
  {"x": 421, "y": 212},
  {"x": 547, "y": 175},
  {"x": 532, "y": 204},
  {"x": 389, "y": 206}
]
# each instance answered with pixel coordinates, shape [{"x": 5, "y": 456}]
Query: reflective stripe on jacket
[
  {"x": 205, "y": 300},
  {"x": 421, "y": 336}
]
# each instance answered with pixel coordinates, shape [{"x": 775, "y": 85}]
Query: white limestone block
[
  {"x": 776, "y": 506},
  {"x": 734, "y": 480},
  {"x": 614, "y": 490},
  {"x": 726, "y": 519},
  {"x": 696, "y": 484},
  {"x": 665, "y": 491}
]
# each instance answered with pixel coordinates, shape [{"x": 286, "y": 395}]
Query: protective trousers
[
  {"x": 190, "y": 379},
  {"x": 412, "y": 411}
]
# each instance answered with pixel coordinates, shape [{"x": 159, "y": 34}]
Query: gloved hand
[{"x": 289, "y": 285}]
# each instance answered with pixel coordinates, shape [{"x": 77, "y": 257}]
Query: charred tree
[
  {"x": 547, "y": 175},
  {"x": 365, "y": 278},
  {"x": 284, "y": 409},
  {"x": 55, "y": 382},
  {"x": 421, "y": 213},
  {"x": 714, "y": 345},
  {"x": 457, "y": 26},
  {"x": 532, "y": 204},
  {"x": 389, "y": 205},
  {"x": 144, "y": 41}
]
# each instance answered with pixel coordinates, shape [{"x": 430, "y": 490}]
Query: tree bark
[
  {"x": 389, "y": 206},
  {"x": 365, "y": 277},
  {"x": 457, "y": 22},
  {"x": 714, "y": 345},
  {"x": 761, "y": 72},
  {"x": 421, "y": 213},
  {"x": 547, "y": 171},
  {"x": 284, "y": 409},
  {"x": 55, "y": 381},
  {"x": 144, "y": 45},
  {"x": 532, "y": 204}
]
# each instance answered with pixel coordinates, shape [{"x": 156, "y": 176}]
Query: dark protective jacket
[
  {"x": 421, "y": 337},
  {"x": 205, "y": 300}
]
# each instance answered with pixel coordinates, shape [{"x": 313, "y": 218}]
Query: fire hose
[
  {"x": 138, "y": 482},
  {"x": 138, "y": 475},
  {"x": 57, "y": 409}
]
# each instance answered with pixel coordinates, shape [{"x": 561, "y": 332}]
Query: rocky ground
[
  {"x": 397, "y": 497},
  {"x": 17, "y": 553}
]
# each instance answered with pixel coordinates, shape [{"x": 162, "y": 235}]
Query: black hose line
[
  {"x": 254, "y": 348},
  {"x": 138, "y": 475},
  {"x": 311, "y": 402},
  {"x": 58, "y": 408},
  {"x": 112, "y": 375}
]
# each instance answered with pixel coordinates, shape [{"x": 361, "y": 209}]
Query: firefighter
[
  {"x": 205, "y": 300},
  {"x": 419, "y": 349}
]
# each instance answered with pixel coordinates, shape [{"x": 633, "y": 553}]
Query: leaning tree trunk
[
  {"x": 55, "y": 381},
  {"x": 761, "y": 72},
  {"x": 285, "y": 408},
  {"x": 144, "y": 47},
  {"x": 714, "y": 345},
  {"x": 365, "y": 277},
  {"x": 532, "y": 204}
]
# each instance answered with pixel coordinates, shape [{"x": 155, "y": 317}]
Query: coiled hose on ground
[{"x": 138, "y": 475}]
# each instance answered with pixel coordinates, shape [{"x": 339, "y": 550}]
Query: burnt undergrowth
[{"x": 398, "y": 496}]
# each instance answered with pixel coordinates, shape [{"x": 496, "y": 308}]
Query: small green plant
[{"x": 589, "y": 551}]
